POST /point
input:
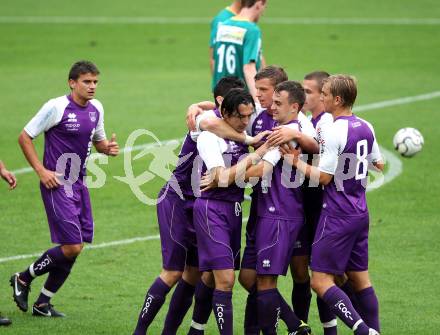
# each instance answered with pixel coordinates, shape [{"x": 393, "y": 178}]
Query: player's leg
[
  {"x": 301, "y": 292},
  {"x": 359, "y": 280},
  {"x": 56, "y": 278},
  {"x": 202, "y": 303},
  {"x": 65, "y": 229},
  {"x": 181, "y": 300},
  {"x": 222, "y": 300},
  {"x": 275, "y": 242},
  {"x": 171, "y": 220},
  {"x": 248, "y": 279},
  {"x": 248, "y": 275},
  {"x": 182, "y": 297},
  {"x": 330, "y": 257}
]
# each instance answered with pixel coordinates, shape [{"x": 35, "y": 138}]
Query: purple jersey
[
  {"x": 263, "y": 121},
  {"x": 281, "y": 197},
  {"x": 218, "y": 152},
  {"x": 70, "y": 130},
  {"x": 181, "y": 178},
  {"x": 349, "y": 146}
]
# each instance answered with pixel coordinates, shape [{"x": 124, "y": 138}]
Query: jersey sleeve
[
  {"x": 100, "y": 131},
  {"x": 252, "y": 45},
  {"x": 205, "y": 115},
  {"x": 330, "y": 149},
  {"x": 47, "y": 117},
  {"x": 306, "y": 125},
  {"x": 210, "y": 150},
  {"x": 273, "y": 156}
]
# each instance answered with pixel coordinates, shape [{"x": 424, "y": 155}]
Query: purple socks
[
  {"x": 301, "y": 297},
  {"x": 180, "y": 303},
  {"x": 153, "y": 302},
  {"x": 222, "y": 307}
]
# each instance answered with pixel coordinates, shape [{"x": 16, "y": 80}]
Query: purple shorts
[
  {"x": 249, "y": 259},
  {"x": 218, "y": 230},
  {"x": 303, "y": 242},
  {"x": 340, "y": 244},
  {"x": 275, "y": 240},
  {"x": 69, "y": 217},
  {"x": 177, "y": 234}
]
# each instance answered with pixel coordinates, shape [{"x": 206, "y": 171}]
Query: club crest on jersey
[{"x": 92, "y": 116}]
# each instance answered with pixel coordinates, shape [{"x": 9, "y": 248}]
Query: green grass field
[{"x": 150, "y": 73}]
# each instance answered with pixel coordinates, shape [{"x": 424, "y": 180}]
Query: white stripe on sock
[
  {"x": 47, "y": 293},
  {"x": 31, "y": 270},
  {"x": 330, "y": 324},
  {"x": 197, "y": 326},
  {"x": 356, "y": 325}
]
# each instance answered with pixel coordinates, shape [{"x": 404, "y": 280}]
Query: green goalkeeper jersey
[{"x": 238, "y": 42}]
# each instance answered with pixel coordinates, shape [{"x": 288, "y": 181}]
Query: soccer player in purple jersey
[
  {"x": 217, "y": 213},
  {"x": 72, "y": 124},
  {"x": 261, "y": 122},
  {"x": 179, "y": 247},
  {"x": 299, "y": 265},
  {"x": 12, "y": 182},
  {"x": 341, "y": 240},
  {"x": 280, "y": 217}
]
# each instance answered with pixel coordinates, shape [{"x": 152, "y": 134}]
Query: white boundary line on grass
[
  {"x": 203, "y": 20},
  {"x": 393, "y": 161}
]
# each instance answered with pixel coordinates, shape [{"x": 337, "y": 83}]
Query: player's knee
[
  {"x": 266, "y": 282},
  {"x": 318, "y": 285},
  {"x": 191, "y": 275},
  {"x": 246, "y": 280},
  {"x": 170, "y": 277},
  {"x": 225, "y": 282},
  {"x": 72, "y": 250}
]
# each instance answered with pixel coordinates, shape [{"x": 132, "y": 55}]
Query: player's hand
[
  {"x": 282, "y": 135},
  {"x": 256, "y": 141},
  {"x": 290, "y": 154},
  {"x": 9, "y": 178},
  {"x": 262, "y": 149},
  {"x": 207, "y": 182},
  {"x": 191, "y": 114},
  {"x": 49, "y": 179},
  {"x": 112, "y": 146}
]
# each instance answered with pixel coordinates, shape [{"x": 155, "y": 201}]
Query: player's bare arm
[
  {"x": 281, "y": 135},
  {"x": 292, "y": 156},
  {"x": 48, "y": 178},
  {"x": 196, "y": 109},
  {"x": 250, "y": 70}
]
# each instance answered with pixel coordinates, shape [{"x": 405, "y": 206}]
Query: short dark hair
[
  {"x": 294, "y": 90},
  {"x": 82, "y": 67},
  {"x": 225, "y": 85},
  {"x": 235, "y": 98},
  {"x": 343, "y": 86},
  {"x": 318, "y": 76},
  {"x": 249, "y": 3},
  {"x": 274, "y": 73}
]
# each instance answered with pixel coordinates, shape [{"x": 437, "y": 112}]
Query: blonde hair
[{"x": 343, "y": 86}]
